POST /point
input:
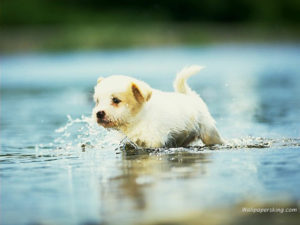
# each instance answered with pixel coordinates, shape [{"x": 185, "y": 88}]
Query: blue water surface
[{"x": 59, "y": 167}]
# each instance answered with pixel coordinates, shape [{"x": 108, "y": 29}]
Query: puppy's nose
[{"x": 100, "y": 114}]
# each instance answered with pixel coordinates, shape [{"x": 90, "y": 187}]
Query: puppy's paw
[{"x": 127, "y": 145}]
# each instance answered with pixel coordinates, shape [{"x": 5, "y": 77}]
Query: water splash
[
  {"x": 243, "y": 143},
  {"x": 81, "y": 134},
  {"x": 85, "y": 133},
  {"x": 261, "y": 142}
]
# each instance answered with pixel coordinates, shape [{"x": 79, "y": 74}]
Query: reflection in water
[
  {"x": 181, "y": 186},
  {"x": 140, "y": 174}
]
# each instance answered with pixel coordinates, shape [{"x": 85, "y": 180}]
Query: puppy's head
[{"x": 118, "y": 100}]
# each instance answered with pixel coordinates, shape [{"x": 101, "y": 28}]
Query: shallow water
[{"x": 58, "y": 167}]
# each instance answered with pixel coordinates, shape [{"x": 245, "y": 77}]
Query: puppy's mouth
[{"x": 105, "y": 122}]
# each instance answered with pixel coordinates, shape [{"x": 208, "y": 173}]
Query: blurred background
[{"x": 90, "y": 24}]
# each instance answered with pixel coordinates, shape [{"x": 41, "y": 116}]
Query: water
[{"x": 58, "y": 167}]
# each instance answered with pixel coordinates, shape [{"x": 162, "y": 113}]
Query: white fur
[{"x": 171, "y": 119}]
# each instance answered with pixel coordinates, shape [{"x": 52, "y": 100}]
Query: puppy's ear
[
  {"x": 141, "y": 91},
  {"x": 99, "y": 80}
]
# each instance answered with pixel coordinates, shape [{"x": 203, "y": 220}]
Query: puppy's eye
[{"x": 116, "y": 100}]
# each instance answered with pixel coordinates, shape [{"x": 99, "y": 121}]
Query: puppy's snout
[{"x": 100, "y": 114}]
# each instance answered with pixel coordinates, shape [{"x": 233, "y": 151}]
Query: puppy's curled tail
[{"x": 180, "y": 84}]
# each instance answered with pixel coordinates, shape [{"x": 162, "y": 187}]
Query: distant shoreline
[{"x": 127, "y": 35}]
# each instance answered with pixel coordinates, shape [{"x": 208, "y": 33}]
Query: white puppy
[{"x": 152, "y": 118}]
